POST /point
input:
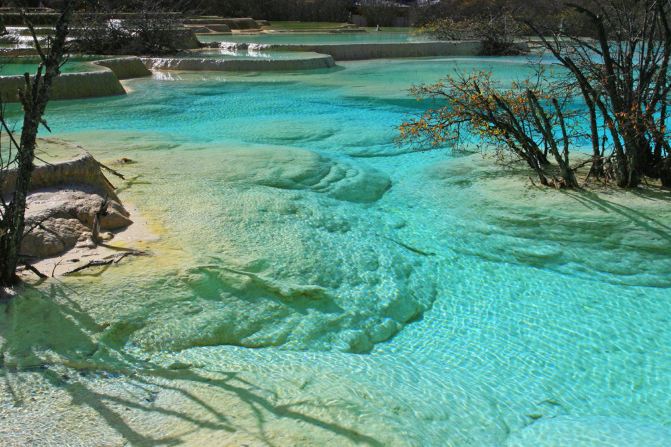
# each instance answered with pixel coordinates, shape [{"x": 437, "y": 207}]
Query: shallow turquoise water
[
  {"x": 315, "y": 38},
  {"x": 19, "y": 66},
  {"x": 295, "y": 222}
]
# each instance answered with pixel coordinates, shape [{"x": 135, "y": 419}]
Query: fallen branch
[
  {"x": 35, "y": 271},
  {"x": 112, "y": 171},
  {"x": 53, "y": 271},
  {"x": 113, "y": 260},
  {"x": 417, "y": 251}
]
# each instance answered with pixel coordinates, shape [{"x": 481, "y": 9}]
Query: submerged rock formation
[
  {"x": 295, "y": 257},
  {"x": 591, "y": 431},
  {"x": 305, "y": 170}
]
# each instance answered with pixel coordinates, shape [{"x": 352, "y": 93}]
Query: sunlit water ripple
[{"x": 479, "y": 309}]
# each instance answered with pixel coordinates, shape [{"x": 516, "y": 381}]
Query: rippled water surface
[{"x": 429, "y": 295}]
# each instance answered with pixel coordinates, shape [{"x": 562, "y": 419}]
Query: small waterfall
[
  {"x": 258, "y": 50},
  {"x": 13, "y": 37},
  {"x": 240, "y": 48},
  {"x": 162, "y": 63},
  {"x": 234, "y": 47},
  {"x": 19, "y": 37},
  {"x": 167, "y": 76},
  {"x": 258, "y": 47},
  {"x": 227, "y": 51}
]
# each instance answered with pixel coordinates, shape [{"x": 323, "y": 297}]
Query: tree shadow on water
[
  {"x": 644, "y": 221},
  {"x": 45, "y": 332}
]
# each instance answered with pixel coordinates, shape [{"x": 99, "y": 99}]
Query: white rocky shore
[{"x": 61, "y": 216}]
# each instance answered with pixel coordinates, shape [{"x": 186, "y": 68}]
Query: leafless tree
[
  {"x": 131, "y": 27},
  {"x": 623, "y": 77},
  {"x": 18, "y": 151},
  {"x": 619, "y": 76}
]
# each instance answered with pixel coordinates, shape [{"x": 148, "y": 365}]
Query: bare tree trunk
[{"x": 34, "y": 98}]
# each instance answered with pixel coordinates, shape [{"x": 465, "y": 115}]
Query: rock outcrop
[
  {"x": 62, "y": 206},
  {"x": 90, "y": 84},
  {"x": 125, "y": 67},
  {"x": 83, "y": 170},
  {"x": 59, "y": 220}
]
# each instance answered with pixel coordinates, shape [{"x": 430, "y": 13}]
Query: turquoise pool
[
  {"x": 21, "y": 65},
  {"x": 316, "y": 38},
  {"x": 414, "y": 298}
]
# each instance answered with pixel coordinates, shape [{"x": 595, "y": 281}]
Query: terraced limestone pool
[
  {"x": 21, "y": 65},
  {"x": 315, "y": 38},
  {"x": 253, "y": 53},
  {"x": 337, "y": 288}
]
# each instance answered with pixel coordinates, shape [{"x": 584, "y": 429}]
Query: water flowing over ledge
[{"x": 206, "y": 64}]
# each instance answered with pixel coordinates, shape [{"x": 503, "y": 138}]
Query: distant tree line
[
  {"x": 549, "y": 12},
  {"x": 302, "y": 10}
]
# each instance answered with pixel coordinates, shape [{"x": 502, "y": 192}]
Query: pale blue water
[
  {"x": 316, "y": 38},
  {"x": 513, "y": 305},
  {"x": 21, "y": 65}
]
